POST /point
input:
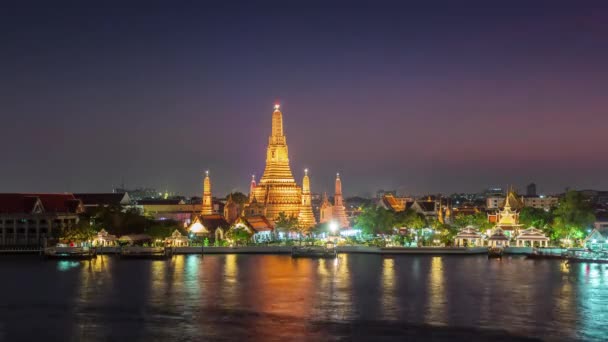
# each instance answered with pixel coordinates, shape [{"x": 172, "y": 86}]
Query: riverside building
[{"x": 26, "y": 219}]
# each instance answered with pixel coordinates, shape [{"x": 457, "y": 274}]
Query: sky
[{"x": 422, "y": 97}]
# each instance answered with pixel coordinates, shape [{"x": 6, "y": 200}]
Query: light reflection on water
[{"x": 191, "y": 297}]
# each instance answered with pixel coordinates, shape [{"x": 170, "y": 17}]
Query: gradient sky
[{"x": 449, "y": 96}]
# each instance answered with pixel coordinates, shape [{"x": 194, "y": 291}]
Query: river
[{"x": 274, "y": 297}]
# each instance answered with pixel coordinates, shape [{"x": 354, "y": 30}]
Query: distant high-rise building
[
  {"x": 493, "y": 192},
  {"x": 531, "y": 189}
]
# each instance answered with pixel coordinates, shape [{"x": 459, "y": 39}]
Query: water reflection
[
  {"x": 66, "y": 265},
  {"x": 435, "y": 312},
  {"x": 592, "y": 290},
  {"x": 389, "y": 285},
  {"x": 276, "y": 297}
]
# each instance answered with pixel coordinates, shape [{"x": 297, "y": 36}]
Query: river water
[{"x": 275, "y": 297}]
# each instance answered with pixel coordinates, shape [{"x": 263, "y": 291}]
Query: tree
[
  {"x": 289, "y": 223},
  {"x": 409, "y": 218},
  {"x": 83, "y": 231},
  {"x": 535, "y": 217},
  {"x": 572, "y": 216},
  {"x": 238, "y": 197},
  {"x": 376, "y": 220},
  {"x": 239, "y": 235},
  {"x": 163, "y": 229},
  {"x": 477, "y": 220}
]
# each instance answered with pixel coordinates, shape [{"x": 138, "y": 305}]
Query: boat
[
  {"x": 545, "y": 254},
  {"x": 59, "y": 252},
  {"x": 146, "y": 252},
  {"x": 327, "y": 251},
  {"x": 495, "y": 252},
  {"x": 597, "y": 257}
]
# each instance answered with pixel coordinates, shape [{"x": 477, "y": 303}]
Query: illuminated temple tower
[
  {"x": 306, "y": 219},
  {"x": 339, "y": 212},
  {"x": 207, "y": 208},
  {"x": 277, "y": 189}
]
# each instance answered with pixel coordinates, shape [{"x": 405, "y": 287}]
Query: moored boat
[
  {"x": 495, "y": 252},
  {"x": 597, "y": 257},
  {"x": 327, "y": 251},
  {"x": 146, "y": 252},
  {"x": 546, "y": 253},
  {"x": 70, "y": 252}
]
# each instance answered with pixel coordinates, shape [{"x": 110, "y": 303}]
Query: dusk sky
[{"x": 452, "y": 96}]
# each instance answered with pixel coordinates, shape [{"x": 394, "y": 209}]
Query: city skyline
[{"x": 413, "y": 98}]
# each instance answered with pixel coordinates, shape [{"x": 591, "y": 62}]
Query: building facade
[{"x": 27, "y": 219}]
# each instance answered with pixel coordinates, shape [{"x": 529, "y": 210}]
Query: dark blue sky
[{"x": 441, "y": 97}]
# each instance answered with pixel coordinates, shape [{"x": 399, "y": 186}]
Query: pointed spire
[
  {"x": 338, "y": 194},
  {"x": 306, "y": 183},
  {"x": 338, "y": 184},
  {"x": 252, "y": 186},
  {"x": 306, "y": 218},
  {"x": 207, "y": 205},
  {"x": 277, "y": 121}
]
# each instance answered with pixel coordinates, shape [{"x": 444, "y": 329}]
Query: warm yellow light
[
  {"x": 197, "y": 227},
  {"x": 277, "y": 106}
]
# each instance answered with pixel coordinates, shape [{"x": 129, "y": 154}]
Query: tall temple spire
[
  {"x": 338, "y": 197},
  {"x": 277, "y": 122},
  {"x": 207, "y": 208},
  {"x": 306, "y": 218},
  {"x": 252, "y": 188},
  {"x": 339, "y": 211},
  {"x": 277, "y": 187}
]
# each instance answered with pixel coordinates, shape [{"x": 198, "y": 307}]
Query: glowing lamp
[
  {"x": 197, "y": 227},
  {"x": 277, "y": 106},
  {"x": 333, "y": 226}
]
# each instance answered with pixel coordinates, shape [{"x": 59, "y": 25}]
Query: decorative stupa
[
  {"x": 207, "y": 208},
  {"x": 306, "y": 218},
  {"x": 339, "y": 211},
  {"x": 277, "y": 190}
]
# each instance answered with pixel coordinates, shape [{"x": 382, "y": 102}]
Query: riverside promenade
[
  {"x": 287, "y": 250},
  {"x": 341, "y": 249}
]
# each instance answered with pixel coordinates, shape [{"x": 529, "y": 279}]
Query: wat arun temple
[{"x": 277, "y": 192}]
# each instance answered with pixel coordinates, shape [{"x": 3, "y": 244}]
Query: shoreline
[{"x": 287, "y": 250}]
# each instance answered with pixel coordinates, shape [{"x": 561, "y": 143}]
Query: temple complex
[
  {"x": 207, "y": 208},
  {"x": 306, "y": 218},
  {"x": 277, "y": 190},
  {"x": 508, "y": 219}
]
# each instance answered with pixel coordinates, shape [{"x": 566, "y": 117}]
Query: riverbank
[{"x": 287, "y": 250}]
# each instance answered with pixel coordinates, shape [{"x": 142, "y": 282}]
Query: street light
[{"x": 333, "y": 226}]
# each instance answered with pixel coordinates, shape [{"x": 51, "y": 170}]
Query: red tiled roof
[
  {"x": 213, "y": 221},
  {"x": 259, "y": 223},
  {"x": 16, "y": 203},
  {"x": 24, "y": 203}
]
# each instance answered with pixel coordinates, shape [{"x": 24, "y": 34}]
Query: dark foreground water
[{"x": 267, "y": 298}]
